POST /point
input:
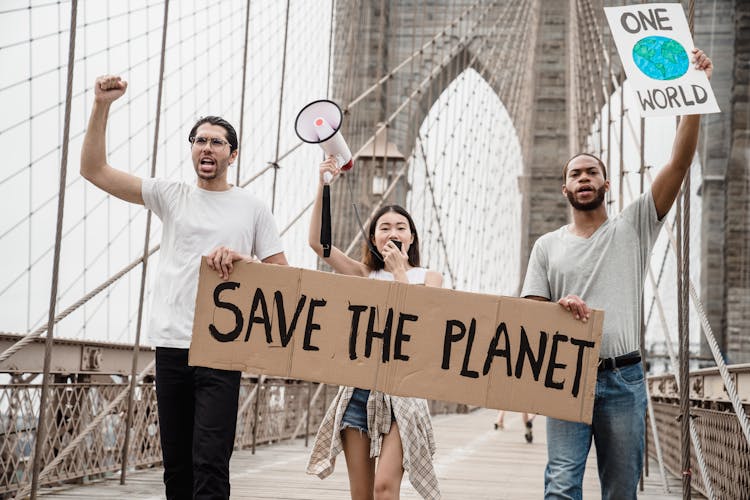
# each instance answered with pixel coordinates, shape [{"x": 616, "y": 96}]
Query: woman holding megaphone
[{"x": 369, "y": 425}]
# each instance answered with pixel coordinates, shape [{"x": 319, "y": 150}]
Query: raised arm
[
  {"x": 667, "y": 183},
  {"x": 338, "y": 260},
  {"x": 94, "y": 166}
]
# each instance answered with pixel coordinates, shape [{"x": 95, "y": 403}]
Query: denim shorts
[{"x": 355, "y": 415}]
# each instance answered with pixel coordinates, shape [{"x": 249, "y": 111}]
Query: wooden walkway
[{"x": 473, "y": 462}]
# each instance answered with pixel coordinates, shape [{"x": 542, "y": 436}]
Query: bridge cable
[
  {"x": 41, "y": 436},
  {"x": 146, "y": 243}
]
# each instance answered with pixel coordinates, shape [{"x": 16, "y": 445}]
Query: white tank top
[{"x": 415, "y": 275}]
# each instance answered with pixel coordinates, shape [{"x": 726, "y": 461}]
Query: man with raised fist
[{"x": 197, "y": 406}]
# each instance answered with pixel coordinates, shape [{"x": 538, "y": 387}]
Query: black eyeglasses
[{"x": 215, "y": 142}]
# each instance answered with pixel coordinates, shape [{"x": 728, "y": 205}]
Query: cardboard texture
[{"x": 404, "y": 340}]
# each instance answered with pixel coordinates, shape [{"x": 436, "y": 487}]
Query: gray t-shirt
[
  {"x": 606, "y": 270},
  {"x": 194, "y": 222}
]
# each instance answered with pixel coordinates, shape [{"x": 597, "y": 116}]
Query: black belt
[{"x": 630, "y": 358}]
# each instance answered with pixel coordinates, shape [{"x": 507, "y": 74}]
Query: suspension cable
[
  {"x": 244, "y": 85},
  {"x": 676, "y": 367},
  {"x": 146, "y": 242},
  {"x": 41, "y": 435}
]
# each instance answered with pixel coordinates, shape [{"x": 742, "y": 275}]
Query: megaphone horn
[{"x": 319, "y": 123}]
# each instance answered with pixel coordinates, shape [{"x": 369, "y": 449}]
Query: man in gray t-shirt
[{"x": 601, "y": 263}]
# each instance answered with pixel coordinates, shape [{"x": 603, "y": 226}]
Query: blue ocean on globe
[{"x": 660, "y": 58}]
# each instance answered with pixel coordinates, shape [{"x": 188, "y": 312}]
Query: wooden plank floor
[{"x": 473, "y": 462}]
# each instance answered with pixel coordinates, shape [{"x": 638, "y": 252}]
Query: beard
[
  {"x": 595, "y": 203},
  {"x": 207, "y": 176}
]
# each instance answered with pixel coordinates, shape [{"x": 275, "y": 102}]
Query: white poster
[{"x": 655, "y": 46}]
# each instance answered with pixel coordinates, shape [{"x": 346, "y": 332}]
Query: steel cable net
[
  {"x": 289, "y": 47},
  {"x": 202, "y": 76},
  {"x": 460, "y": 119},
  {"x": 103, "y": 237},
  {"x": 462, "y": 179},
  {"x": 288, "y": 63}
]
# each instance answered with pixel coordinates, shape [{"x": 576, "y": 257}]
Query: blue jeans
[{"x": 618, "y": 428}]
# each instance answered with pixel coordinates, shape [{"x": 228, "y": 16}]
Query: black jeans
[{"x": 197, "y": 420}]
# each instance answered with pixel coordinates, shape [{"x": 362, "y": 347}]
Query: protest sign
[
  {"x": 401, "y": 339},
  {"x": 655, "y": 45}
]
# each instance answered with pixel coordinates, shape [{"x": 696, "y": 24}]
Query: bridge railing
[
  {"x": 281, "y": 407},
  {"x": 281, "y": 410},
  {"x": 725, "y": 450}
]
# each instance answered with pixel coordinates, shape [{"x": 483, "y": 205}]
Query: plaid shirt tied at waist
[{"x": 415, "y": 430}]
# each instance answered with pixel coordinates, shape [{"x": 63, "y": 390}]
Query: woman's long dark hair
[{"x": 375, "y": 263}]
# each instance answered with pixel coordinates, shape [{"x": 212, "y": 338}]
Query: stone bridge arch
[{"x": 487, "y": 30}]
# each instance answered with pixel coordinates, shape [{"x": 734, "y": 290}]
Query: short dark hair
[
  {"x": 231, "y": 134},
  {"x": 598, "y": 160},
  {"x": 373, "y": 263}
]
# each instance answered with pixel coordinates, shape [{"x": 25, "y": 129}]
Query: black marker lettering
[
  {"x": 385, "y": 334},
  {"x": 401, "y": 336},
  {"x": 357, "y": 310},
  {"x": 259, "y": 300},
  {"x": 230, "y": 336},
  {"x": 582, "y": 344},
  {"x": 286, "y": 335},
  {"x": 549, "y": 381},
  {"x": 310, "y": 326},
  {"x": 465, "y": 368},
  {"x": 493, "y": 351},
  {"x": 524, "y": 351},
  {"x": 451, "y": 337}
]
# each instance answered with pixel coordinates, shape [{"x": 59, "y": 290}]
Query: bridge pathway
[{"x": 473, "y": 462}]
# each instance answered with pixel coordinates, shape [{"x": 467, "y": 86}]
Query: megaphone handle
[{"x": 325, "y": 221}]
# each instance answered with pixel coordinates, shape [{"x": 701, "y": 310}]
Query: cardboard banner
[
  {"x": 404, "y": 340},
  {"x": 654, "y": 44}
]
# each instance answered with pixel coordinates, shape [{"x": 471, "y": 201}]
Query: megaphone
[{"x": 319, "y": 123}]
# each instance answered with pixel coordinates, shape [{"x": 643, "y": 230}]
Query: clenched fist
[{"x": 109, "y": 88}]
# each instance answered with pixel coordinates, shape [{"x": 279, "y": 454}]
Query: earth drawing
[{"x": 660, "y": 58}]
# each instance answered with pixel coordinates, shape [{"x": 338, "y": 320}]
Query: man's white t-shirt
[{"x": 194, "y": 222}]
